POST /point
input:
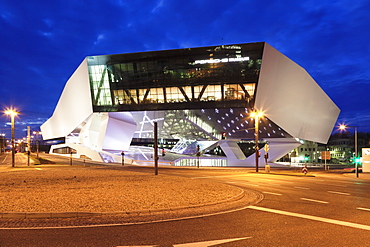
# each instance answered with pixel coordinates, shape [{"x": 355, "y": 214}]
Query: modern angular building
[{"x": 201, "y": 99}]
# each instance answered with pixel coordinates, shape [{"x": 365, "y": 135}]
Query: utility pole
[
  {"x": 256, "y": 115},
  {"x": 123, "y": 157},
  {"x": 155, "y": 148},
  {"x": 198, "y": 154},
  {"x": 28, "y": 144},
  {"x": 256, "y": 147}
]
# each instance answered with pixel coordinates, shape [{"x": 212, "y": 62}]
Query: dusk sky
[{"x": 43, "y": 42}]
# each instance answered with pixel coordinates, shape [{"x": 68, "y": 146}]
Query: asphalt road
[{"x": 326, "y": 210}]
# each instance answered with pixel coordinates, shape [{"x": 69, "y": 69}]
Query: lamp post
[
  {"x": 12, "y": 113},
  {"x": 256, "y": 115},
  {"x": 343, "y": 127},
  {"x": 155, "y": 148},
  {"x": 2, "y": 142},
  {"x": 37, "y": 133}
]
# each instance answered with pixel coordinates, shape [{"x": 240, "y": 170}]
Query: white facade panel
[
  {"x": 74, "y": 105},
  {"x": 232, "y": 149},
  {"x": 288, "y": 96},
  {"x": 119, "y": 132}
]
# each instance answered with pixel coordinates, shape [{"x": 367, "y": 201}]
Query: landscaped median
[{"x": 64, "y": 191}]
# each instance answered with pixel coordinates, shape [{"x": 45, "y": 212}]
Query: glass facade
[{"x": 217, "y": 77}]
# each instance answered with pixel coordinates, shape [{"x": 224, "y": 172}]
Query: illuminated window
[{"x": 100, "y": 85}]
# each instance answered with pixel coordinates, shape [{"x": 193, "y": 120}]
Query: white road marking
[
  {"x": 366, "y": 209},
  {"x": 269, "y": 180},
  {"x": 340, "y": 193},
  {"x": 275, "y": 184},
  {"x": 137, "y": 246},
  {"x": 337, "y": 185},
  {"x": 209, "y": 243},
  {"x": 224, "y": 176},
  {"x": 303, "y": 188},
  {"x": 6, "y": 156},
  {"x": 272, "y": 193},
  {"x": 312, "y": 200},
  {"x": 310, "y": 217},
  {"x": 38, "y": 169}
]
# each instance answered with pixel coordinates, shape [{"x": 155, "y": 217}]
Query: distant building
[
  {"x": 307, "y": 152},
  {"x": 342, "y": 146},
  {"x": 201, "y": 98}
]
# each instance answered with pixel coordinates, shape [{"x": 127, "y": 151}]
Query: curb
[{"x": 288, "y": 174}]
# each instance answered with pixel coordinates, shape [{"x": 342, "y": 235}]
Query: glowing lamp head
[
  {"x": 342, "y": 127},
  {"x": 257, "y": 114},
  {"x": 11, "y": 112}
]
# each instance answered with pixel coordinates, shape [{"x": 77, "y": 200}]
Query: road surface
[{"x": 325, "y": 210}]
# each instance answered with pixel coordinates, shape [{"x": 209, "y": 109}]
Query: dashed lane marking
[
  {"x": 311, "y": 217},
  {"x": 272, "y": 193},
  {"x": 339, "y": 193},
  {"x": 365, "y": 209},
  {"x": 302, "y": 188},
  {"x": 275, "y": 184},
  {"x": 312, "y": 200},
  {"x": 336, "y": 185}
]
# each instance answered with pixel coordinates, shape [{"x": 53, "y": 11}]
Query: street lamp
[
  {"x": 343, "y": 127},
  {"x": 12, "y": 113},
  {"x": 256, "y": 115}
]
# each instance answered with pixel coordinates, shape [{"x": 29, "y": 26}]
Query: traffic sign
[{"x": 325, "y": 155}]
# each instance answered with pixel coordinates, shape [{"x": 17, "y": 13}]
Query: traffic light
[
  {"x": 223, "y": 135},
  {"x": 306, "y": 157},
  {"x": 357, "y": 159}
]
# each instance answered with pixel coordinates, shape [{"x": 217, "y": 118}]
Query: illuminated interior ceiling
[
  {"x": 204, "y": 124},
  {"x": 237, "y": 124},
  {"x": 173, "y": 124}
]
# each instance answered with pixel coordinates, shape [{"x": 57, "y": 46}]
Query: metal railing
[{"x": 203, "y": 161}]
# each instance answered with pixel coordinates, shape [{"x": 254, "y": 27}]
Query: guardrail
[{"x": 203, "y": 161}]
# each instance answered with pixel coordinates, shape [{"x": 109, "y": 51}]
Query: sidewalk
[{"x": 361, "y": 175}]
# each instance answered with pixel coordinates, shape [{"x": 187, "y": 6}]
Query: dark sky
[{"x": 43, "y": 42}]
